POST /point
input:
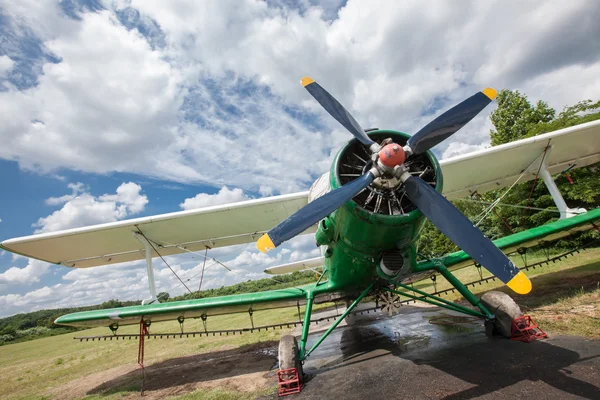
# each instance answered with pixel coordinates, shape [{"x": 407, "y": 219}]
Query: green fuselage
[{"x": 355, "y": 238}]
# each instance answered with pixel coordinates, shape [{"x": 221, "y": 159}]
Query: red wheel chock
[
  {"x": 289, "y": 382},
  {"x": 524, "y": 329}
]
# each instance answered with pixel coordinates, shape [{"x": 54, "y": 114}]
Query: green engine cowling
[{"x": 359, "y": 234}]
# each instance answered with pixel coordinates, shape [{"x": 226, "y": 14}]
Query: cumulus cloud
[
  {"x": 223, "y": 196},
  {"x": 29, "y": 274},
  {"x": 6, "y": 64},
  {"x": 76, "y": 188},
  {"x": 188, "y": 91},
  {"x": 82, "y": 209}
]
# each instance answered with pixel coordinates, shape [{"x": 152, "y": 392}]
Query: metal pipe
[
  {"x": 310, "y": 296},
  {"x": 565, "y": 211},
  {"x": 462, "y": 289},
  {"x": 448, "y": 305},
  {"x": 338, "y": 320}
]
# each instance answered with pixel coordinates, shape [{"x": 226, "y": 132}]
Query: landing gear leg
[{"x": 466, "y": 293}]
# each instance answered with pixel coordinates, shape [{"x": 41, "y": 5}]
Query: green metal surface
[
  {"x": 186, "y": 308},
  {"x": 357, "y": 237}
]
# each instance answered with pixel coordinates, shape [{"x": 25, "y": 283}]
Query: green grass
[
  {"x": 586, "y": 262},
  {"x": 47, "y": 363},
  {"x": 566, "y": 285},
  {"x": 575, "y": 314},
  {"x": 33, "y": 369}
]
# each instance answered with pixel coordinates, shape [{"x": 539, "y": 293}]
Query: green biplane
[{"x": 367, "y": 214}]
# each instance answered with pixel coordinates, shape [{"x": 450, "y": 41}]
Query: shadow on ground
[{"x": 188, "y": 371}]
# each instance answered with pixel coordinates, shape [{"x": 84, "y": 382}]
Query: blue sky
[{"x": 119, "y": 109}]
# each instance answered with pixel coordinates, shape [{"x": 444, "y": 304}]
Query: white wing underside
[
  {"x": 244, "y": 222},
  {"x": 302, "y": 265}
]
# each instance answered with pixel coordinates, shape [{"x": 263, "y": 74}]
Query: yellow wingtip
[
  {"x": 520, "y": 283},
  {"x": 265, "y": 243},
  {"x": 306, "y": 81},
  {"x": 490, "y": 93}
]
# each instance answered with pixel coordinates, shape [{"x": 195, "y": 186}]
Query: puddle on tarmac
[{"x": 408, "y": 343}]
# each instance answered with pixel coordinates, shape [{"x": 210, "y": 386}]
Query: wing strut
[
  {"x": 149, "y": 269},
  {"x": 565, "y": 211}
]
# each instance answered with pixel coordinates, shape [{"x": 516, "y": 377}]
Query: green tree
[
  {"x": 515, "y": 117},
  {"x": 163, "y": 296}
]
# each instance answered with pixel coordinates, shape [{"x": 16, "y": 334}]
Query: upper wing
[
  {"x": 500, "y": 166},
  {"x": 210, "y": 227}
]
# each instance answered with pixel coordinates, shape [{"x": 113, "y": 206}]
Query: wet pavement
[{"x": 408, "y": 357}]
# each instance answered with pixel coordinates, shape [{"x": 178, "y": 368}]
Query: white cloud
[
  {"x": 76, "y": 188},
  {"x": 27, "y": 275},
  {"x": 459, "y": 149},
  {"x": 128, "y": 281},
  {"x": 224, "y": 196},
  {"x": 220, "y": 103},
  {"x": 85, "y": 209},
  {"x": 6, "y": 64}
]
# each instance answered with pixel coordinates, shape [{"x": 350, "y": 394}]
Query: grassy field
[{"x": 565, "y": 299}]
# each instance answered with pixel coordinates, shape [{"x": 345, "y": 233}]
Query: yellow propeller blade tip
[
  {"x": 520, "y": 283},
  {"x": 306, "y": 81},
  {"x": 265, "y": 243},
  {"x": 490, "y": 93}
]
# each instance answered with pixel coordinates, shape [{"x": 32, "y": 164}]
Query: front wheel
[
  {"x": 289, "y": 357},
  {"x": 505, "y": 309}
]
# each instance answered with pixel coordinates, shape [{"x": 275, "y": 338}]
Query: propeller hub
[{"x": 392, "y": 155}]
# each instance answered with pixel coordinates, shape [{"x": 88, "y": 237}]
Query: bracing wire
[
  {"x": 497, "y": 201},
  {"x": 162, "y": 258}
]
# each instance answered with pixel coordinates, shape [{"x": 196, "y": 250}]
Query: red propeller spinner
[{"x": 391, "y": 155}]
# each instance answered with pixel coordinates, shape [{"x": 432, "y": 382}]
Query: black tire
[
  {"x": 289, "y": 356},
  {"x": 504, "y": 308},
  {"x": 490, "y": 328}
]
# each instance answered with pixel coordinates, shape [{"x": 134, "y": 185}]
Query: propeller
[
  {"x": 389, "y": 161},
  {"x": 313, "y": 212},
  {"x": 460, "y": 230},
  {"x": 336, "y": 110},
  {"x": 450, "y": 122}
]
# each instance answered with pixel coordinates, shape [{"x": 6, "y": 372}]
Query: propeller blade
[
  {"x": 336, "y": 110},
  {"x": 450, "y": 122},
  {"x": 312, "y": 213},
  {"x": 452, "y": 223}
]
